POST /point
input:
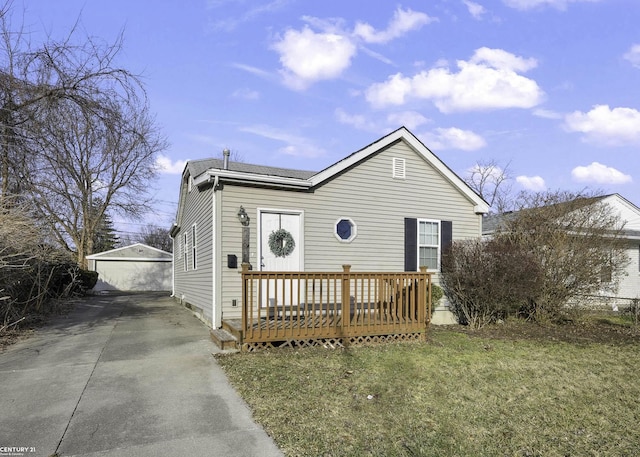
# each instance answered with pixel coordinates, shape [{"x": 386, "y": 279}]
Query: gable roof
[
  {"x": 629, "y": 213},
  {"x": 137, "y": 251},
  {"x": 197, "y": 167},
  {"x": 207, "y": 171}
]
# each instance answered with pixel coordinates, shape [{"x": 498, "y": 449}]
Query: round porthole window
[{"x": 345, "y": 230}]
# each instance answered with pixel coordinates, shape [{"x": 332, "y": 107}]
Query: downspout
[
  {"x": 216, "y": 280},
  {"x": 173, "y": 267}
]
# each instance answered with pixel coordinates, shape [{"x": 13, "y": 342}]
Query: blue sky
[{"x": 550, "y": 87}]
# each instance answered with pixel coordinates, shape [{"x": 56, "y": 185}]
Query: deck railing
[{"x": 281, "y": 306}]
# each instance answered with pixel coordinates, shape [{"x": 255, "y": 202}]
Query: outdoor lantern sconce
[{"x": 243, "y": 217}]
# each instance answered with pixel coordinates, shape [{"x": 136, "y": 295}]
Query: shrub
[
  {"x": 88, "y": 279},
  {"x": 436, "y": 295},
  {"x": 486, "y": 280}
]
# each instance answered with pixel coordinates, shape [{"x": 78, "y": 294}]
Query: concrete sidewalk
[{"x": 129, "y": 375}]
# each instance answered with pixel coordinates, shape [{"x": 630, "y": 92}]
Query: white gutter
[{"x": 251, "y": 178}]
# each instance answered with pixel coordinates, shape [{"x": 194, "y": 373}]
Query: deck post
[
  {"x": 346, "y": 296},
  {"x": 424, "y": 286},
  {"x": 245, "y": 306}
]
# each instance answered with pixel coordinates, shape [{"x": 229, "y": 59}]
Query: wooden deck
[{"x": 299, "y": 307}]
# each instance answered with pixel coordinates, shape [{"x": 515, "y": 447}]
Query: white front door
[
  {"x": 278, "y": 260},
  {"x": 285, "y": 255}
]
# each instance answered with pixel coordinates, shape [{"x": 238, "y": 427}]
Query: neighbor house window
[
  {"x": 194, "y": 246},
  {"x": 429, "y": 244},
  {"x": 345, "y": 230},
  {"x": 185, "y": 245}
]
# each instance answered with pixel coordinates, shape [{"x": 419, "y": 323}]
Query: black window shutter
[
  {"x": 446, "y": 237},
  {"x": 410, "y": 244}
]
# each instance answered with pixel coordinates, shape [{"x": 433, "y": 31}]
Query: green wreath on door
[{"x": 281, "y": 243}]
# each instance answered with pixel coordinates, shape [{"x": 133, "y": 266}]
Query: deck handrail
[{"x": 289, "y": 305}]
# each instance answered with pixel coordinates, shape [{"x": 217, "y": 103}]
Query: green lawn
[{"x": 456, "y": 395}]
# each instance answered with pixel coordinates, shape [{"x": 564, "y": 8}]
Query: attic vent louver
[{"x": 399, "y": 168}]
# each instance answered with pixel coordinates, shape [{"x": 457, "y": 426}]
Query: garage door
[{"x": 132, "y": 275}]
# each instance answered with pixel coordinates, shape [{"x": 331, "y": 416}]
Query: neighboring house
[
  {"x": 629, "y": 283},
  {"x": 137, "y": 267},
  {"x": 390, "y": 206}
]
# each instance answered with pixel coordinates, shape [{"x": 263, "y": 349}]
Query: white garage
[{"x": 137, "y": 267}]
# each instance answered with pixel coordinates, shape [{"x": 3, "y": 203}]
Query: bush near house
[
  {"x": 540, "y": 263},
  {"x": 489, "y": 280}
]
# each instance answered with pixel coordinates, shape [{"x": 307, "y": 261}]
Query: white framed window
[
  {"x": 185, "y": 252},
  {"x": 429, "y": 244},
  {"x": 189, "y": 183},
  {"x": 399, "y": 168},
  {"x": 194, "y": 247},
  {"x": 345, "y": 230}
]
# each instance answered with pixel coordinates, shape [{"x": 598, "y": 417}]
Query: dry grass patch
[{"x": 456, "y": 395}]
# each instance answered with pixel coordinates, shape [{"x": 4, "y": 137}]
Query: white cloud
[
  {"x": 253, "y": 70},
  {"x": 246, "y": 94},
  {"x": 547, "y": 114},
  {"x": 633, "y": 55},
  {"x": 403, "y": 21},
  {"x": 453, "y": 138},
  {"x": 410, "y": 119},
  {"x": 164, "y": 165},
  {"x": 534, "y": 183},
  {"x": 501, "y": 59},
  {"x": 229, "y": 24},
  {"x": 600, "y": 174},
  {"x": 307, "y": 56},
  {"x": 489, "y": 80},
  {"x": 295, "y": 145},
  {"x": 602, "y": 125},
  {"x": 475, "y": 9},
  {"x": 530, "y": 4},
  {"x": 358, "y": 121}
]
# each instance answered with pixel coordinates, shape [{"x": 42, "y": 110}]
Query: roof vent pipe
[{"x": 225, "y": 158}]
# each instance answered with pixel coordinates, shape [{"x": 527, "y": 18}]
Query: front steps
[{"x": 227, "y": 337}]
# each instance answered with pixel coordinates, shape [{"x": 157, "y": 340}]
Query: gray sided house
[
  {"x": 137, "y": 267},
  {"x": 391, "y": 206}
]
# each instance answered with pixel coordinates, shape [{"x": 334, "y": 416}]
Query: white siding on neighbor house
[
  {"x": 195, "y": 286},
  {"x": 629, "y": 283},
  {"x": 370, "y": 196},
  {"x": 629, "y": 287}
]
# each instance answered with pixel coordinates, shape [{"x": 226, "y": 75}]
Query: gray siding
[
  {"x": 370, "y": 196},
  {"x": 195, "y": 287}
]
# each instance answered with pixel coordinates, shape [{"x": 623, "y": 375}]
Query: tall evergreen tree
[{"x": 104, "y": 236}]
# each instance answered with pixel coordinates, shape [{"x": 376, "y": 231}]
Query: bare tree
[
  {"x": 154, "y": 236},
  {"x": 234, "y": 156},
  {"x": 74, "y": 127},
  {"x": 492, "y": 182},
  {"x": 578, "y": 243}
]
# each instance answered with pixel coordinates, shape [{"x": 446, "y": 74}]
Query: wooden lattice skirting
[{"x": 334, "y": 343}]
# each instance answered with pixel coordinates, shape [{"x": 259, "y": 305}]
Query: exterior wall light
[{"x": 243, "y": 217}]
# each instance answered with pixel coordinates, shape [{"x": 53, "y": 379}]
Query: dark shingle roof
[{"x": 197, "y": 167}]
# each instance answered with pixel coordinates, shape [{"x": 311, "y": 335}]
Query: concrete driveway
[{"x": 129, "y": 375}]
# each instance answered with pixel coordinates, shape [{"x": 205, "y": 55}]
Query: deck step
[
  {"x": 233, "y": 326},
  {"x": 223, "y": 339}
]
